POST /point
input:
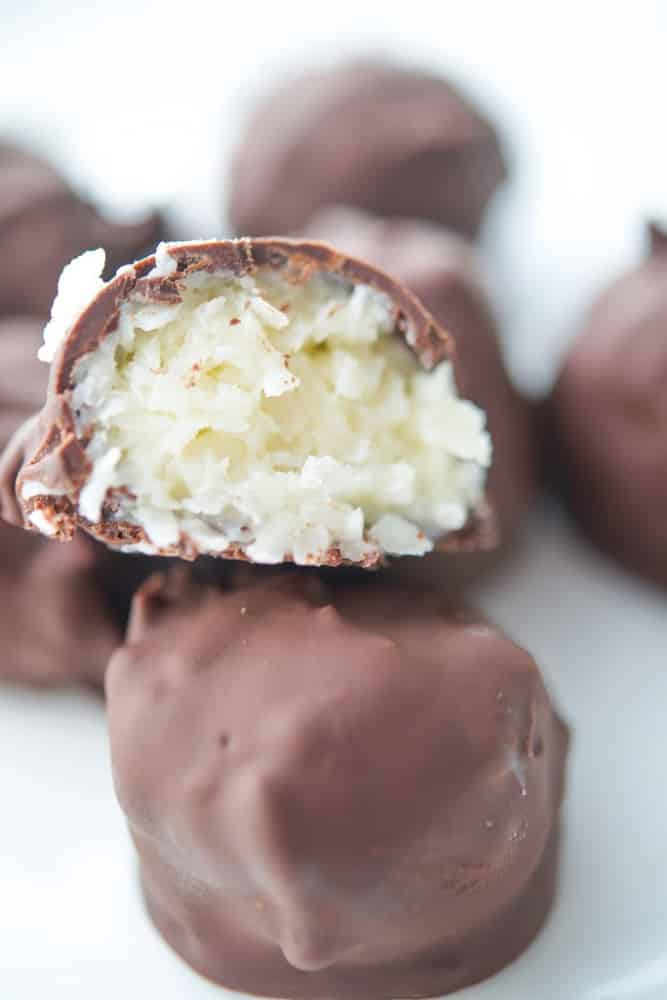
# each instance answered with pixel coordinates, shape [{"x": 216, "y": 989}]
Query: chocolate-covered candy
[
  {"x": 55, "y": 623},
  {"x": 443, "y": 271},
  {"x": 609, "y": 418},
  {"x": 387, "y": 139},
  {"x": 23, "y": 380},
  {"x": 44, "y": 223},
  {"x": 55, "y": 626},
  {"x": 268, "y": 400},
  {"x": 334, "y": 793},
  {"x": 63, "y": 609}
]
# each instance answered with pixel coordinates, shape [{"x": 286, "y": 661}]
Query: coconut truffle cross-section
[{"x": 268, "y": 400}]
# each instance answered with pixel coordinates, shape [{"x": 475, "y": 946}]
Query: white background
[{"x": 141, "y": 102}]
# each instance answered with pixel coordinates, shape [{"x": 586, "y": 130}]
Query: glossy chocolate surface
[{"x": 334, "y": 793}]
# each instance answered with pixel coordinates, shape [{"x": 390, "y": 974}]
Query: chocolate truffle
[
  {"x": 334, "y": 794},
  {"x": 609, "y": 419},
  {"x": 388, "y": 139},
  {"x": 444, "y": 272},
  {"x": 268, "y": 400},
  {"x": 44, "y": 223},
  {"x": 55, "y": 625},
  {"x": 23, "y": 380}
]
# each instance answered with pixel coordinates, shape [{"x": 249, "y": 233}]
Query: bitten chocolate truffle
[
  {"x": 444, "y": 272},
  {"x": 44, "y": 223},
  {"x": 390, "y": 140},
  {"x": 267, "y": 400},
  {"x": 55, "y": 625},
  {"x": 609, "y": 418},
  {"x": 334, "y": 794}
]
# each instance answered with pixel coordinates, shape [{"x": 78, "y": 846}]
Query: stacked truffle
[
  {"x": 609, "y": 418},
  {"x": 331, "y": 796},
  {"x": 337, "y": 785},
  {"x": 44, "y": 223},
  {"x": 278, "y": 401},
  {"x": 74, "y": 633},
  {"x": 82, "y": 591}
]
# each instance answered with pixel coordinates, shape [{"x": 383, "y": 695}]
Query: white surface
[{"x": 145, "y": 105}]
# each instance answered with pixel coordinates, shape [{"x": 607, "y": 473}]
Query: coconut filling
[{"x": 285, "y": 419}]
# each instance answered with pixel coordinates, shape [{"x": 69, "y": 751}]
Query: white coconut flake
[
  {"x": 206, "y": 539},
  {"x": 268, "y": 314},
  {"x": 310, "y": 545},
  {"x": 78, "y": 285},
  {"x": 154, "y": 315},
  {"x": 164, "y": 262},
  {"x": 349, "y": 379},
  {"x": 287, "y": 419},
  {"x": 273, "y": 541},
  {"x": 93, "y": 493},
  {"x": 160, "y": 525},
  {"x": 41, "y": 522},
  {"x": 32, "y": 488},
  {"x": 124, "y": 269},
  {"x": 278, "y": 380},
  {"x": 399, "y": 537},
  {"x": 451, "y": 516}
]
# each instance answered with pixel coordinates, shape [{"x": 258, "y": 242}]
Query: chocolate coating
[
  {"x": 23, "y": 379},
  {"x": 609, "y": 418},
  {"x": 384, "y": 138},
  {"x": 44, "y": 223},
  {"x": 55, "y": 627},
  {"x": 63, "y": 608},
  {"x": 333, "y": 793},
  {"x": 444, "y": 273},
  {"x": 47, "y": 449}
]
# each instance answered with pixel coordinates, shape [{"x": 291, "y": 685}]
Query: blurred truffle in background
[
  {"x": 334, "y": 794},
  {"x": 387, "y": 139},
  {"x": 44, "y": 223},
  {"x": 444, "y": 272},
  {"x": 608, "y": 417},
  {"x": 23, "y": 379},
  {"x": 62, "y": 607}
]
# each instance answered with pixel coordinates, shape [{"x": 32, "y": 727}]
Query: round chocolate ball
[
  {"x": 445, "y": 273},
  {"x": 608, "y": 416},
  {"x": 334, "y": 792},
  {"x": 62, "y": 607},
  {"x": 369, "y": 451},
  {"x": 23, "y": 379},
  {"x": 44, "y": 223},
  {"x": 388, "y": 139},
  {"x": 55, "y": 627}
]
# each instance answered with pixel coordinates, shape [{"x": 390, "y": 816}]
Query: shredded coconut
[
  {"x": 79, "y": 282},
  {"x": 283, "y": 418}
]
